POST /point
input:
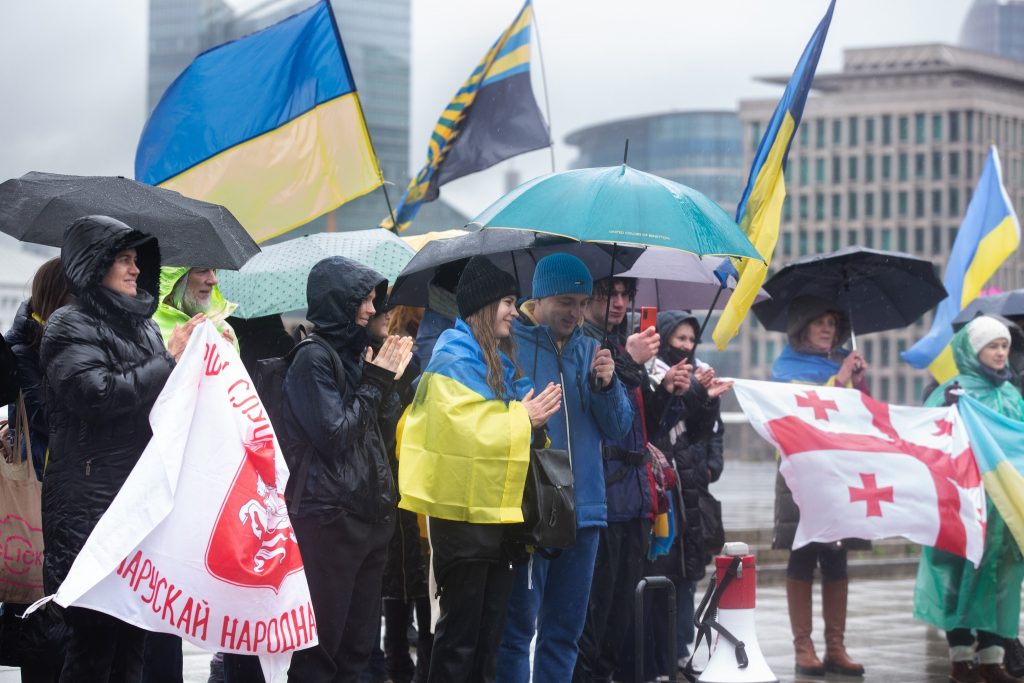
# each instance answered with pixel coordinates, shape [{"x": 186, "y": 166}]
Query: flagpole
[{"x": 544, "y": 86}]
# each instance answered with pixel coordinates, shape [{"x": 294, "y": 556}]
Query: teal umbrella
[
  {"x": 274, "y": 281},
  {"x": 620, "y": 205}
]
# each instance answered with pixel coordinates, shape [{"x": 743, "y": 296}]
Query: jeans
[{"x": 554, "y": 607}]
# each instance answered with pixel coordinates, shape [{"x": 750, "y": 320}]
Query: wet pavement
[{"x": 881, "y": 632}]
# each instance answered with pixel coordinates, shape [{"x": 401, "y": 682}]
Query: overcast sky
[{"x": 74, "y": 78}]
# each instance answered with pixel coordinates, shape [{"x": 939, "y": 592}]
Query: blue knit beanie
[{"x": 561, "y": 274}]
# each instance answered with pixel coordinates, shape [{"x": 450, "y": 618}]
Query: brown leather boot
[
  {"x": 965, "y": 672},
  {"x": 798, "y": 594},
  {"x": 833, "y": 605},
  {"x": 995, "y": 673}
]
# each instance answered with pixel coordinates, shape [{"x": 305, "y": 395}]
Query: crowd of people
[{"x": 410, "y": 436}]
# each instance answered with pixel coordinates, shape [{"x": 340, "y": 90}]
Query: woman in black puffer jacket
[{"x": 105, "y": 365}]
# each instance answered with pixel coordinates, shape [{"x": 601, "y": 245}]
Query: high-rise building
[
  {"x": 377, "y": 38},
  {"x": 178, "y": 31},
  {"x": 887, "y": 155},
  {"x": 996, "y": 27},
  {"x": 700, "y": 149}
]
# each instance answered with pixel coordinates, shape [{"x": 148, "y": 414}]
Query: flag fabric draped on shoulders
[
  {"x": 760, "y": 208},
  {"x": 463, "y": 451},
  {"x": 493, "y": 116},
  {"x": 269, "y": 126},
  {"x": 998, "y": 445},
  {"x": 989, "y": 233},
  {"x": 860, "y": 468}
]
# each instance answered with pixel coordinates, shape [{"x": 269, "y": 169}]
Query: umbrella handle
[{"x": 853, "y": 338}]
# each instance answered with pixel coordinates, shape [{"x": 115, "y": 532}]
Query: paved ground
[{"x": 881, "y": 633}]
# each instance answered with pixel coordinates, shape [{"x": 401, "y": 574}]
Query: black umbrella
[
  {"x": 37, "y": 207},
  {"x": 1008, "y": 305},
  {"x": 515, "y": 251},
  {"x": 879, "y": 290}
]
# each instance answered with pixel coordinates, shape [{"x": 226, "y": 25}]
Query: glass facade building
[
  {"x": 996, "y": 27},
  {"x": 700, "y": 149}
]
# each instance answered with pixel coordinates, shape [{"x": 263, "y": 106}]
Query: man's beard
[{"x": 192, "y": 305}]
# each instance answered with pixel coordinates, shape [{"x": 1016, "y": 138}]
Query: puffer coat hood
[
  {"x": 105, "y": 365},
  {"x": 334, "y": 290},
  {"x": 90, "y": 246},
  {"x": 668, "y": 321}
]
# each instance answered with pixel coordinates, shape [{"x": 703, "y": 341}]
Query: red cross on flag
[{"x": 860, "y": 468}]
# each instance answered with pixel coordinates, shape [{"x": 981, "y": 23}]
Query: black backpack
[{"x": 269, "y": 379}]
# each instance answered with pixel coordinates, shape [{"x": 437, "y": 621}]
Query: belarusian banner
[
  {"x": 860, "y": 468},
  {"x": 198, "y": 542}
]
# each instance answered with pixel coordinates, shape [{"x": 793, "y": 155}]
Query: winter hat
[
  {"x": 561, "y": 274},
  {"x": 481, "y": 283},
  {"x": 984, "y": 330}
]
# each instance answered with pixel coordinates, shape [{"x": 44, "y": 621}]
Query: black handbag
[
  {"x": 711, "y": 522},
  {"x": 549, "y": 502}
]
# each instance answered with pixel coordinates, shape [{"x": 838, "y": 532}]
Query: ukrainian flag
[
  {"x": 998, "y": 445},
  {"x": 269, "y": 126},
  {"x": 760, "y": 209},
  {"x": 492, "y": 117},
  {"x": 989, "y": 233}
]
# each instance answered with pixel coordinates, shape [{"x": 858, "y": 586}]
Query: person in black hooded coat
[
  {"x": 344, "y": 512},
  {"x": 105, "y": 364}
]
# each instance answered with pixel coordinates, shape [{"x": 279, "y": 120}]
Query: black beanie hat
[{"x": 481, "y": 283}]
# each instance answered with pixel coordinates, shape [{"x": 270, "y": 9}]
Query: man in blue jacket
[{"x": 550, "y": 596}]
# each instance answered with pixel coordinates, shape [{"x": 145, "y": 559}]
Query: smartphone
[{"x": 648, "y": 317}]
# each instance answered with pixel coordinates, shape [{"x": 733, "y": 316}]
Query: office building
[
  {"x": 886, "y": 157},
  {"x": 996, "y": 27}
]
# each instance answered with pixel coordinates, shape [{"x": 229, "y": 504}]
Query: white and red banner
[
  {"x": 198, "y": 542},
  {"x": 860, "y": 468}
]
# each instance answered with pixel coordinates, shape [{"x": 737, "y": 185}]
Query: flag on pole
[
  {"x": 859, "y": 468},
  {"x": 198, "y": 542},
  {"x": 760, "y": 209},
  {"x": 492, "y": 117},
  {"x": 998, "y": 445},
  {"x": 989, "y": 233},
  {"x": 269, "y": 126}
]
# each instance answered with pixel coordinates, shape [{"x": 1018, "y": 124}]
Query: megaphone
[{"x": 736, "y": 656}]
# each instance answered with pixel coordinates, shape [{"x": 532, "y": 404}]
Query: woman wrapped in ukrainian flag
[{"x": 463, "y": 457}]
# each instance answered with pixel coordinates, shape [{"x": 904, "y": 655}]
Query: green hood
[
  {"x": 977, "y": 382},
  {"x": 169, "y": 313}
]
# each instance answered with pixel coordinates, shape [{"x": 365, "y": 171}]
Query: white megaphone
[{"x": 736, "y": 657}]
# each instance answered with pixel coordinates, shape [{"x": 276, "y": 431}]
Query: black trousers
[
  {"x": 101, "y": 649},
  {"x": 474, "y": 601},
  {"x": 344, "y": 561},
  {"x": 162, "y": 660},
  {"x": 621, "y": 554},
  {"x": 397, "y": 660}
]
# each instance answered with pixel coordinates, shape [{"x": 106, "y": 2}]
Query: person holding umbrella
[
  {"x": 977, "y": 607},
  {"x": 463, "y": 461},
  {"x": 105, "y": 364},
  {"x": 817, "y": 330}
]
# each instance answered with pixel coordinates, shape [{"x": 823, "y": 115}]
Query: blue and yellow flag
[
  {"x": 760, "y": 209},
  {"x": 270, "y": 126},
  {"x": 989, "y": 233},
  {"x": 998, "y": 445},
  {"x": 492, "y": 117}
]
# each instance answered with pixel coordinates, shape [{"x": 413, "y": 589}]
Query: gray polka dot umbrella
[{"x": 274, "y": 281}]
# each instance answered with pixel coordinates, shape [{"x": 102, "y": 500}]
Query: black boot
[{"x": 1013, "y": 660}]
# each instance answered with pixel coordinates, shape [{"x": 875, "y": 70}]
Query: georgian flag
[{"x": 860, "y": 468}]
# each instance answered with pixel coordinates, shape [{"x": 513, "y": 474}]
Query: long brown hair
[
  {"x": 50, "y": 291},
  {"x": 405, "y": 320},
  {"x": 482, "y": 323}
]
